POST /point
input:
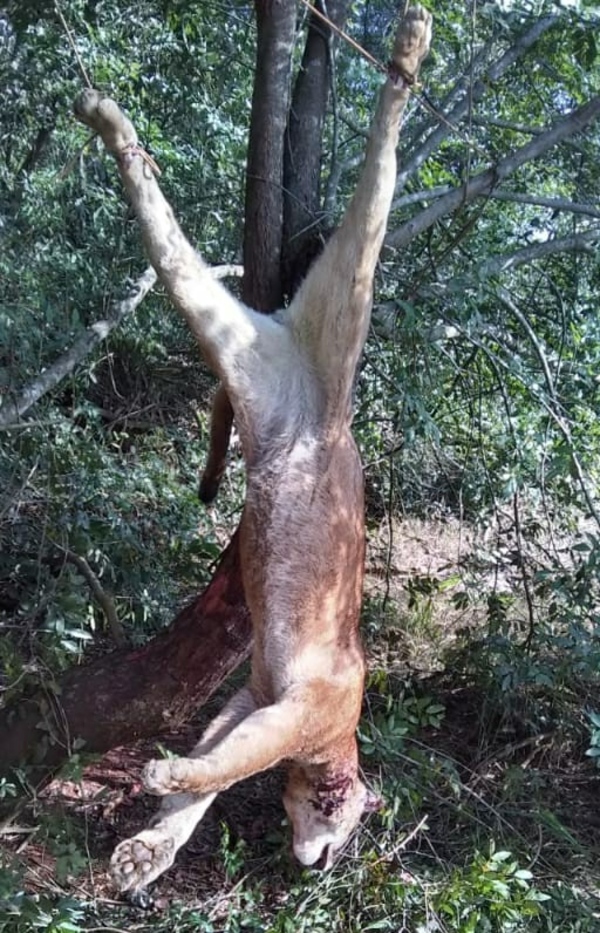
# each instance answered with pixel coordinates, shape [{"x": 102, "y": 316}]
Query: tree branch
[
  {"x": 526, "y": 129},
  {"x": 556, "y": 204},
  {"x": 12, "y": 410},
  {"x": 552, "y": 410},
  {"x": 102, "y": 597},
  {"x": 506, "y": 299},
  {"x": 492, "y": 74},
  {"x": 496, "y": 265},
  {"x": 578, "y": 242},
  {"x": 555, "y": 416},
  {"x": 427, "y": 194},
  {"x": 357, "y": 128},
  {"x": 384, "y": 314},
  {"x": 485, "y": 182}
]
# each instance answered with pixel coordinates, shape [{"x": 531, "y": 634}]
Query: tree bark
[
  {"x": 303, "y": 221},
  {"x": 122, "y": 697},
  {"x": 276, "y": 23}
]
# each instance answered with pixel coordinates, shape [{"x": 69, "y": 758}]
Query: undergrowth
[{"x": 488, "y": 825}]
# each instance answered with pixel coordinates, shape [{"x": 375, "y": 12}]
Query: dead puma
[{"x": 289, "y": 378}]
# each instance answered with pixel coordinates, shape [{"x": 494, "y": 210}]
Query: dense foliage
[{"x": 477, "y": 401}]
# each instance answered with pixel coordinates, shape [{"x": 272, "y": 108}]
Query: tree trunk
[
  {"x": 304, "y": 225},
  {"x": 122, "y": 697},
  {"x": 276, "y": 23}
]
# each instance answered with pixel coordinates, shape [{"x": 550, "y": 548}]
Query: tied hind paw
[
  {"x": 104, "y": 116},
  {"x": 412, "y": 42},
  {"x": 138, "y": 861}
]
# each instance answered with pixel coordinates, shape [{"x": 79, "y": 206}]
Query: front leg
[
  {"x": 259, "y": 742},
  {"x": 138, "y": 861},
  {"x": 287, "y": 729},
  {"x": 162, "y": 776}
]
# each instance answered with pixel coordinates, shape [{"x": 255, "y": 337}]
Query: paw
[
  {"x": 168, "y": 776},
  {"x": 104, "y": 116},
  {"x": 412, "y": 42},
  {"x": 158, "y": 777},
  {"x": 138, "y": 861}
]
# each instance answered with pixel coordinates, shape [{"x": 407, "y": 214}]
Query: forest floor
[{"x": 491, "y": 819}]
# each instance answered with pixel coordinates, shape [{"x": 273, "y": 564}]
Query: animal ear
[{"x": 373, "y": 802}]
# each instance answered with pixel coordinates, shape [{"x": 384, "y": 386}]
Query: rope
[
  {"x": 344, "y": 35},
  {"x": 69, "y": 35},
  {"x": 420, "y": 98},
  {"x": 134, "y": 149}
]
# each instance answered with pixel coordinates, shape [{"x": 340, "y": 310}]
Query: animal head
[{"x": 324, "y": 814}]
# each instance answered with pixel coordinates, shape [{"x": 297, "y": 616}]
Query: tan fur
[
  {"x": 289, "y": 378},
  {"x": 221, "y": 423}
]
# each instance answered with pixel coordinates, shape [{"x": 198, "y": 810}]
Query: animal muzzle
[{"x": 318, "y": 861}]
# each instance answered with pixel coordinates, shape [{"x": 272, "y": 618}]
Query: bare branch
[
  {"x": 427, "y": 194},
  {"x": 496, "y": 265},
  {"x": 485, "y": 182},
  {"x": 384, "y": 314},
  {"x": 526, "y": 129},
  {"x": 506, "y": 299},
  {"x": 555, "y": 204},
  {"x": 338, "y": 169},
  {"x": 11, "y": 410},
  {"x": 578, "y": 242},
  {"x": 415, "y": 197},
  {"x": 552, "y": 410},
  {"x": 357, "y": 128},
  {"x": 102, "y": 597},
  {"x": 492, "y": 74},
  {"x": 555, "y": 416}
]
